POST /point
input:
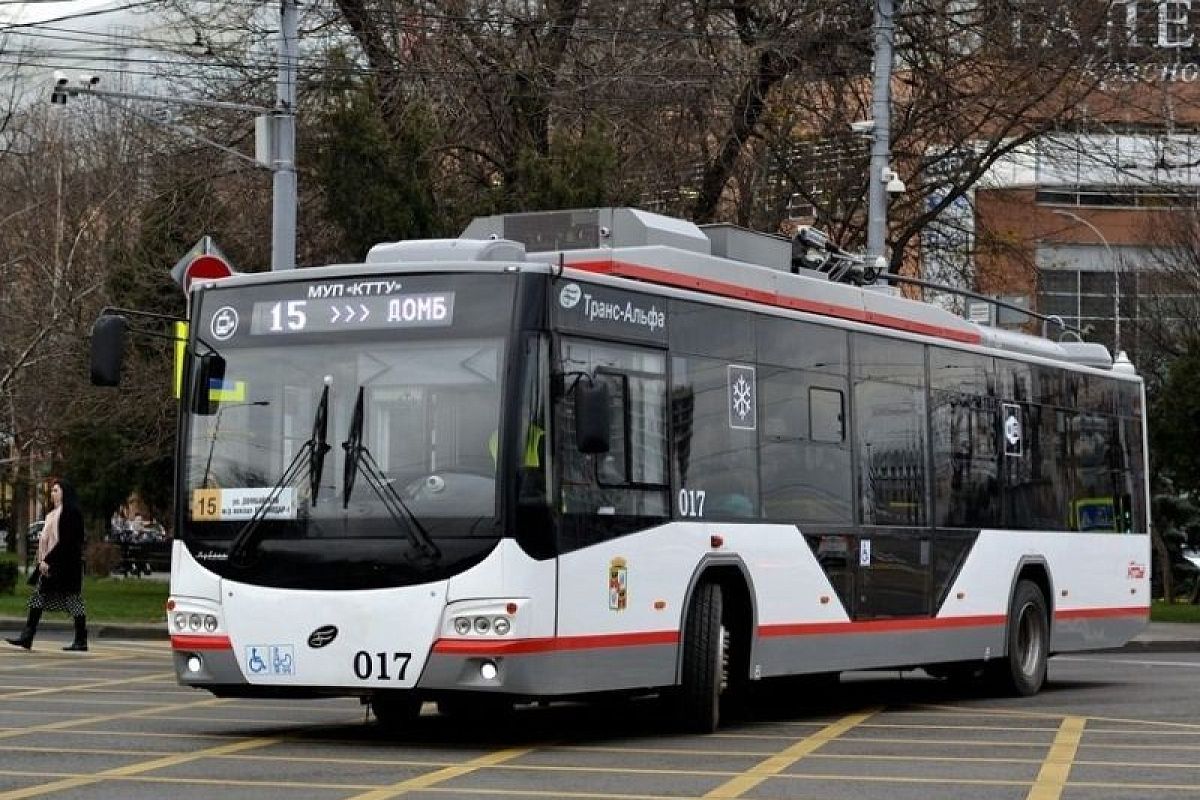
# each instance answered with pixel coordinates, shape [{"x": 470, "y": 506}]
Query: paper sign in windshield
[{"x": 233, "y": 505}]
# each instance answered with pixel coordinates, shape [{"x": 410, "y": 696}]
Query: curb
[
  {"x": 1157, "y": 646},
  {"x": 97, "y": 630}
]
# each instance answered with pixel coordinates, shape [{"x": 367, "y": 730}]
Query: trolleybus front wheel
[
  {"x": 697, "y": 699},
  {"x": 1023, "y": 670}
]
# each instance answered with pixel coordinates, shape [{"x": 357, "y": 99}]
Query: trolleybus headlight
[
  {"x": 482, "y": 624},
  {"x": 210, "y": 623},
  {"x": 501, "y": 626},
  {"x": 462, "y": 626},
  {"x": 488, "y": 670},
  {"x": 180, "y": 621},
  {"x": 194, "y": 622},
  {"x": 194, "y": 663}
]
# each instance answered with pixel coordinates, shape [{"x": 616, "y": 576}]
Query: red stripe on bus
[
  {"x": 201, "y": 643},
  {"x": 483, "y": 647},
  {"x": 1101, "y": 613},
  {"x": 625, "y": 269},
  {"x": 934, "y": 623},
  {"x": 880, "y": 625}
]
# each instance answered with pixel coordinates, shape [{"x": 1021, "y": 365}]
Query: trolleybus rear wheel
[{"x": 1023, "y": 670}]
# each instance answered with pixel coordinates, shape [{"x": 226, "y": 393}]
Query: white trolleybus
[{"x": 580, "y": 452}]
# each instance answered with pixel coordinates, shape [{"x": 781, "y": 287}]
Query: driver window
[{"x": 631, "y": 478}]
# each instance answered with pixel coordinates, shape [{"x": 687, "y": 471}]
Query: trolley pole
[
  {"x": 283, "y": 202},
  {"x": 881, "y": 115}
]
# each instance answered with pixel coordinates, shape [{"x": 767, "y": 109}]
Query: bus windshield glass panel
[{"x": 390, "y": 474}]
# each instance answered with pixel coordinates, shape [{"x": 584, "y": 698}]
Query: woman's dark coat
[{"x": 66, "y": 559}]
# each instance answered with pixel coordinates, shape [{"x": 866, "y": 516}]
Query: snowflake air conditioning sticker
[{"x": 742, "y": 400}]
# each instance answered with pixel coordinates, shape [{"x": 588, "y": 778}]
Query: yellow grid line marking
[
  {"x": 68, "y": 723},
  {"x": 917, "y": 726},
  {"x": 943, "y": 742},
  {"x": 151, "y": 734},
  {"x": 530, "y": 792},
  {"x": 781, "y": 761},
  {"x": 447, "y": 773},
  {"x": 79, "y": 687},
  {"x": 1052, "y": 777},
  {"x": 227, "y": 782},
  {"x": 32, "y": 661},
  {"x": 1012, "y": 712},
  {"x": 133, "y": 769}
]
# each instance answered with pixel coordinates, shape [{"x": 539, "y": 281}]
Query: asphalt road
[{"x": 112, "y": 723}]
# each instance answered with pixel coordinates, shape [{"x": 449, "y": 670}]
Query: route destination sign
[{"x": 328, "y": 314}]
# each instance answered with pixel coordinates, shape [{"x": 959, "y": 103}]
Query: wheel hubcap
[{"x": 1029, "y": 640}]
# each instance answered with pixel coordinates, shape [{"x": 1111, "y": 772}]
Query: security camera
[
  {"x": 893, "y": 183},
  {"x": 58, "y": 94},
  {"x": 89, "y": 80},
  {"x": 863, "y": 126}
]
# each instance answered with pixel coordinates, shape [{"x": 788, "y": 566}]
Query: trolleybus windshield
[{"x": 413, "y": 366}]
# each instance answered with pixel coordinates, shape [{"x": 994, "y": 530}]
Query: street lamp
[{"x": 1116, "y": 275}]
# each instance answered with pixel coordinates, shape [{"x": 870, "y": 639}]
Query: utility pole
[
  {"x": 881, "y": 131},
  {"x": 283, "y": 202},
  {"x": 275, "y": 130}
]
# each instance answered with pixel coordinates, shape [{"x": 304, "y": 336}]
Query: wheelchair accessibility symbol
[{"x": 270, "y": 660}]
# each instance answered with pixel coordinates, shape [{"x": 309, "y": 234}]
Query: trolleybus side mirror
[
  {"x": 108, "y": 349},
  {"x": 592, "y": 420},
  {"x": 210, "y": 368}
]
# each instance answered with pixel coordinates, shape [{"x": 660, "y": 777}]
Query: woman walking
[{"x": 59, "y": 573}]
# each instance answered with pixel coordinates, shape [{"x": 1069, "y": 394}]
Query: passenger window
[
  {"x": 826, "y": 417},
  {"x": 714, "y": 422},
  {"x": 805, "y": 462}
]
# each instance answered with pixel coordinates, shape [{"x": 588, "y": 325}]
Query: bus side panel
[
  {"x": 1100, "y": 583},
  {"x": 629, "y": 594}
]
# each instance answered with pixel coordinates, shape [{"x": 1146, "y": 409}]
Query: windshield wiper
[
  {"x": 320, "y": 446},
  {"x": 357, "y": 454},
  {"x": 313, "y": 452}
]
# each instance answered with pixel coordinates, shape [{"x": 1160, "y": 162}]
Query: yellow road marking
[
  {"x": 225, "y": 782},
  {"x": 531, "y": 792},
  {"x": 1011, "y": 712},
  {"x": 917, "y": 726},
  {"x": 439, "y": 776},
  {"x": 134, "y": 769},
  {"x": 1052, "y": 778},
  {"x": 60, "y": 662},
  {"x": 84, "y": 686},
  {"x": 944, "y": 742},
  {"x": 778, "y": 763},
  {"x": 68, "y": 723}
]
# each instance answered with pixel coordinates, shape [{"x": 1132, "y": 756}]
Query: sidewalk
[
  {"x": 1166, "y": 637},
  {"x": 96, "y": 630},
  {"x": 1159, "y": 637}
]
